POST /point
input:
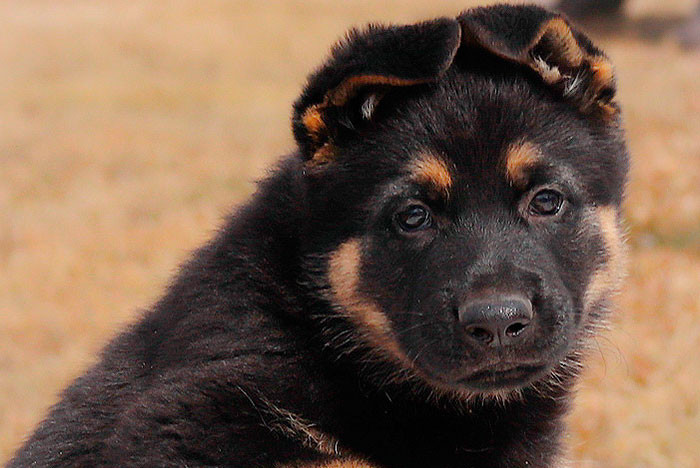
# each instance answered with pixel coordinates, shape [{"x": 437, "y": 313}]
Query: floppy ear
[
  {"x": 361, "y": 68},
  {"x": 545, "y": 42}
]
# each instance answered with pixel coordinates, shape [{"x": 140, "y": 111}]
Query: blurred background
[{"x": 129, "y": 128}]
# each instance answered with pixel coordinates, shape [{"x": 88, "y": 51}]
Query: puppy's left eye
[
  {"x": 546, "y": 202},
  {"x": 413, "y": 218}
]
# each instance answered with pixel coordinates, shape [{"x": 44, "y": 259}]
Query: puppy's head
[{"x": 464, "y": 182}]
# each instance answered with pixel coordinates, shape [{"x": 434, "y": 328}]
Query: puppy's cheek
[
  {"x": 607, "y": 277},
  {"x": 372, "y": 326}
]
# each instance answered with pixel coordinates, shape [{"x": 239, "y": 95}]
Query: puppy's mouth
[
  {"x": 494, "y": 377},
  {"x": 503, "y": 377}
]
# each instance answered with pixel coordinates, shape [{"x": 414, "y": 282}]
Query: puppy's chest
[{"x": 404, "y": 440}]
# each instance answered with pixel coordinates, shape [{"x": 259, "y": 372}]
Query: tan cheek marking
[
  {"x": 344, "y": 278},
  {"x": 606, "y": 280},
  {"x": 520, "y": 157},
  {"x": 433, "y": 171}
]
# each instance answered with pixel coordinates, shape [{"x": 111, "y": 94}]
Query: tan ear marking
[
  {"x": 312, "y": 117},
  {"x": 520, "y": 157},
  {"x": 603, "y": 73},
  {"x": 323, "y": 155},
  {"x": 313, "y": 121},
  {"x": 433, "y": 171},
  {"x": 563, "y": 41},
  {"x": 348, "y": 88},
  {"x": 344, "y": 278}
]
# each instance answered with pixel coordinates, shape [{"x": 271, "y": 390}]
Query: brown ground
[{"x": 128, "y": 128}]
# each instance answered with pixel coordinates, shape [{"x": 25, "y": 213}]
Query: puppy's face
[{"x": 468, "y": 226}]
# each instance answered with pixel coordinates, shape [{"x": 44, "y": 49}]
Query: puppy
[{"x": 414, "y": 287}]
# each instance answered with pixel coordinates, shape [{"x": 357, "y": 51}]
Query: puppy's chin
[
  {"x": 501, "y": 382},
  {"x": 503, "y": 385}
]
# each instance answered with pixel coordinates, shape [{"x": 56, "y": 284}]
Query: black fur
[{"x": 250, "y": 359}]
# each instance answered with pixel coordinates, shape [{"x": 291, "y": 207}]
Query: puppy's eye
[
  {"x": 413, "y": 218},
  {"x": 546, "y": 202}
]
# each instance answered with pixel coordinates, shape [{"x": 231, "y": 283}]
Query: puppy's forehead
[
  {"x": 439, "y": 174},
  {"x": 484, "y": 135},
  {"x": 487, "y": 131}
]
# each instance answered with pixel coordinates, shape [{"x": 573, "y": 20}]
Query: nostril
[
  {"x": 515, "y": 329},
  {"x": 480, "y": 334}
]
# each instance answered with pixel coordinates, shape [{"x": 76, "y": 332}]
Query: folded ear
[
  {"x": 361, "y": 68},
  {"x": 548, "y": 44}
]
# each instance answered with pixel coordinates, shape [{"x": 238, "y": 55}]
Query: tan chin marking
[
  {"x": 344, "y": 279},
  {"x": 606, "y": 279},
  {"x": 430, "y": 170},
  {"x": 520, "y": 157}
]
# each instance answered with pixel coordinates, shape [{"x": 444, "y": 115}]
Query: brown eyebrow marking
[
  {"x": 433, "y": 171},
  {"x": 520, "y": 157}
]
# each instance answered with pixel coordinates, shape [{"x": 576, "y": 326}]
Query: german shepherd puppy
[{"x": 414, "y": 287}]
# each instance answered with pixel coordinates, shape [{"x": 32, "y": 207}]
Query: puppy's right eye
[
  {"x": 546, "y": 203},
  {"x": 414, "y": 218}
]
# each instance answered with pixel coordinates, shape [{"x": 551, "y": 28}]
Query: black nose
[{"x": 496, "y": 320}]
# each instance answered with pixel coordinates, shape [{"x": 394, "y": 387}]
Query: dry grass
[{"x": 128, "y": 128}]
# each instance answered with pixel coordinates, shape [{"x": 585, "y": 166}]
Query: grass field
[{"x": 129, "y": 128}]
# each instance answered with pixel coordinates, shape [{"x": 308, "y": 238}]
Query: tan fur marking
[
  {"x": 298, "y": 428},
  {"x": 313, "y": 121},
  {"x": 312, "y": 118},
  {"x": 433, "y": 171},
  {"x": 560, "y": 33},
  {"x": 348, "y": 88},
  {"x": 520, "y": 157},
  {"x": 323, "y": 155},
  {"x": 348, "y": 462},
  {"x": 606, "y": 279},
  {"x": 550, "y": 73},
  {"x": 344, "y": 278},
  {"x": 603, "y": 73}
]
